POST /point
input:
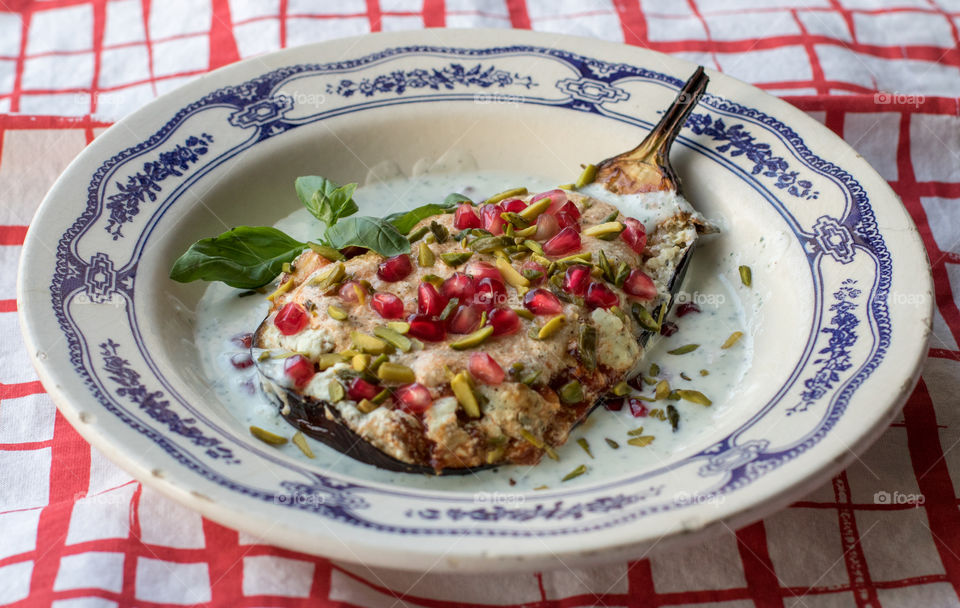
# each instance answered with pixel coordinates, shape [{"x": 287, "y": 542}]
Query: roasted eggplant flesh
[{"x": 508, "y": 322}]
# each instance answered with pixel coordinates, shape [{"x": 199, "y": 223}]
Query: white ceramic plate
[{"x": 839, "y": 314}]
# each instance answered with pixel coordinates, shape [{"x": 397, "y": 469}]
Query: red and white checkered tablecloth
[{"x": 76, "y": 531}]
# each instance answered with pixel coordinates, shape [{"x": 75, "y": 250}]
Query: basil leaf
[
  {"x": 368, "y": 232},
  {"x": 404, "y": 222},
  {"x": 245, "y": 257},
  {"x": 455, "y": 198},
  {"x": 327, "y": 201}
]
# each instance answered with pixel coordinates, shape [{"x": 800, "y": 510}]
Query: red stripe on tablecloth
[
  {"x": 8, "y": 306},
  {"x": 706, "y": 29},
  {"x": 374, "y": 15},
  {"x": 223, "y": 46},
  {"x": 434, "y": 13},
  {"x": 858, "y": 571},
  {"x": 224, "y": 557},
  {"x": 632, "y": 22},
  {"x": 758, "y": 568},
  {"x": 25, "y": 16},
  {"x": 23, "y": 389},
  {"x": 283, "y": 23},
  {"x": 818, "y": 77},
  {"x": 640, "y": 586},
  {"x": 12, "y": 235},
  {"x": 519, "y": 17},
  {"x": 847, "y": 17},
  {"x": 145, "y": 15},
  {"x": 132, "y": 549},
  {"x": 99, "y": 26},
  {"x": 943, "y": 353},
  {"x": 933, "y": 479}
]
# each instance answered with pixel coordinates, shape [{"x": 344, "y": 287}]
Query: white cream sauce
[{"x": 222, "y": 314}]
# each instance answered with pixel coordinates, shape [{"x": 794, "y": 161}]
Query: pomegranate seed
[
  {"x": 566, "y": 241},
  {"x": 565, "y": 220},
  {"x": 634, "y": 234},
  {"x": 465, "y": 319},
  {"x": 241, "y": 360},
  {"x": 490, "y": 293},
  {"x": 557, "y": 198},
  {"x": 614, "y": 405},
  {"x": 465, "y": 217},
  {"x": 395, "y": 269},
  {"x": 640, "y": 286},
  {"x": 637, "y": 408},
  {"x": 243, "y": 340},
  {"x": 299, "y": 369},
  {"x": 426, "y": 328},
  {"x": 542, "y": 302},
  {"x": 576, "y": 279},
  {"x": 291, "y": 319},
  {"x": 687, "y": 308},
  {"x": 414, "y": 398},
  {"x": 485, "y": 368},
  {"x": 601, "y": 296},
  {"x": 483, "y": 270},
  {"x": 490, "y": 217},
  {"x": 387, "y": 305},
  {"x": 458, "y": 285},
  {"x": 429, "y": 300},
  {"x": 351, "y": 291},
  {"x": 534, "y": 266},
  {"x": 504, "y": 322},
  {"x": 514, "y": 205},
  {"x": 361, "y": 389},
  {"x": 547, "y": 227},
  {"x": 668, "y": 328},
  {"x": 570, "y": 209}
]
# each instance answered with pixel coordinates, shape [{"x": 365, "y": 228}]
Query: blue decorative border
[{"x": 256, "y": 106}]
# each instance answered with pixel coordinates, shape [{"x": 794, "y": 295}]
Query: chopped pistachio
[
  {"x": 577, "y": 472},
  {"x": 455, "y": 258},
  {"x": 587, "y": 346},
  {"x": 552, "y": 326},
  {"x": 474, "y": 339},
  {"x": 641, "y": 441},
  {"x": 577, "y": 258},
  {"x": 361, "y": 293},
  {"x": 533, "y": 246},
  {"x": 286, "y": 268},
  {"x": 613, "y": 444},
  {"x": 376, "y": 363},
  {"x": 439, "y": 231},
  {"x": 336, "y": 390},
  {"x": 583, "y": 443},
  {"x": 704, "y": 372},
  {"x": 588, "y": 175},
  {"x": 395, "y": 372},
  {"x": 603, "y": 229},
  {"x": 328, "y": 360},
  {"x": 425, "y": 256},
  {"x": 685, "y": 376},
  {"x": 654, "y": 369},
  {"x": 530, "y": 377},
  {"x": 694, "y": 396},
  {"x": 682, "y": 350},
  {"x": 644, "y": 318},
  {"x": 734, "y": 337},
  {"x": 394, "y": 338},
  {"x": 431, "y": 238},
  {"x": 542, "y": 487},
  {"x": 530, "y": 274},
  {"x": 433, "y": 280},
  {"x": 489, "y": 244},
  {"x": 613, "y": 215},
  {"x": 620, "y": 389},
  {"x": 360, "y": 362},
  {"x": 534, "y": 209},
  {"x": 571, "y": 392},
  {"x": 515, "y": 220},
  {"x": 337, "y": 313},
  {"x": 281, "y": 290},
  {"x": 636, "y": 432},
  {"x": 382, "y": 396},
  {"x": 663, "y": 390},
  {"x": 510, "y": 274},
  {"x": 418, "y": 234},
  {"x": 401, "y": 327},
  {"x": 524, "y": 313},
  {"x": 746, "y": 276},
  {"x": 508, "y": 227},
  {"x": 369, "y": 344},
  {"x": 329, "y": 276},
  {"x": 366, "y": 406},
  {"x": 267, "y": 436},
  {"x": 326, "y": 252},
  {"x": 674, "y": 417},
  {"x": 301, "y": 442},
  {"x": 621, "y": 275},
  {"x": 451, "y": 306},
  {"x": 464, "y": 394},
  {"x": 526, "y": 232},
  {"x": 513, "y": 192}
]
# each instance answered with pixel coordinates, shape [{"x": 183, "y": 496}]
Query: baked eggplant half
[{"x": 506, "y": 324}]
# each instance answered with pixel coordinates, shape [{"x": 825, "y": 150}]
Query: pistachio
[
  {"x": 328, "y": 360},
  {"x": 286, "y": 268},
  {"x": 267, "y": 436},
  {"x": 382, "y": 396},
  {"x": 604, "y": 265},
  {"x": 369, "y": 344},
  {"x": 431, "y": 238},
  {"x": 583, "y": 443},
  {"x": 694, "y": 397},
  {"x": 301, "y": 442},
  {"x": 451, "y": 306},
  {"x": 587, "y": 346},
  {"x": 439, "y": 231},
  {"x": 284, "y": 288},
  {"x": 376, "y": 363},
  {"x": 644, "y": 318},
  {"x": 654, "y": 369},
  {"x": 489, "y": 244},
  {"x": 336, "y": 391},
  {"x": 524, "y": 314},
  {"x": 361, "y": 293},
  {"x": 455, "y": 258},
  {"x": 685, "y": 376},
  {"x": 621, "y": 275},
  {"x": 395, "y": 372},
  {"x": 526, "y": 232},
  {"x": 326, "y": 252},
  {"x": 613, "y": 216},
  {"x": 640, "y": 442},
  {"x": 704, "y": 372},
  {"x": 360, "y": 362},
  {"x": 328, "y": 276},
  {"x": 513, "y": 192},
  {"x": 734, "y": 337},
  {"x": 474, "y": 339},
  {"x": 682, "y": 350},
  {"x": 577, "y": 258},
  {"x": 337, "y": 313},
  {"x": 571, "y": 392},
  {"x": 537, "y": 443},
  {"x": 464, "y": 394},
  {"x": 663, "y": 390},
  {"x": 674, "y": 417},
  {"x": 533, "y": 246},
  {"x": 433, "y": 280},
  {"x": 577, "y": 472},
  {"x": 515, "y": 220},
  {"x": 530, "y": 377},
  {"x": 620, "y": 389},
  {"x": 604, "y": 229},
  {"x": 394, "y": 338},
  {"x": 530, "y": 274},
  {"x": 366, "y": 406},
  {"x": 401, "y": 327},
  {"x": 613, "y": 444},
  {"x": 552, "y": 326},
  {"x": 425, "y": 256},
  {"x": 534, "y": 209},
  {"x": 635, "y": 432},
  {"x": 510, "y": 274},
  {"x": 418, "y": 234},
  {"x": 746, "y": 276},
  {"x": 589, "y": 173}
]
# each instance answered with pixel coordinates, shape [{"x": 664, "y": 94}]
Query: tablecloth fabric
[{"x": 76, "y": 531}]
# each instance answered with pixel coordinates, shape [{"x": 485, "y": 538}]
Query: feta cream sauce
[{"x": 222, "y": 315}]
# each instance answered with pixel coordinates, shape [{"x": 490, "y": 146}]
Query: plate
[{"x": 839, "y": 312}]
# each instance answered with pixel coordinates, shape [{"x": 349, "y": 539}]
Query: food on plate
[{"x": 465, "y": 334}]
